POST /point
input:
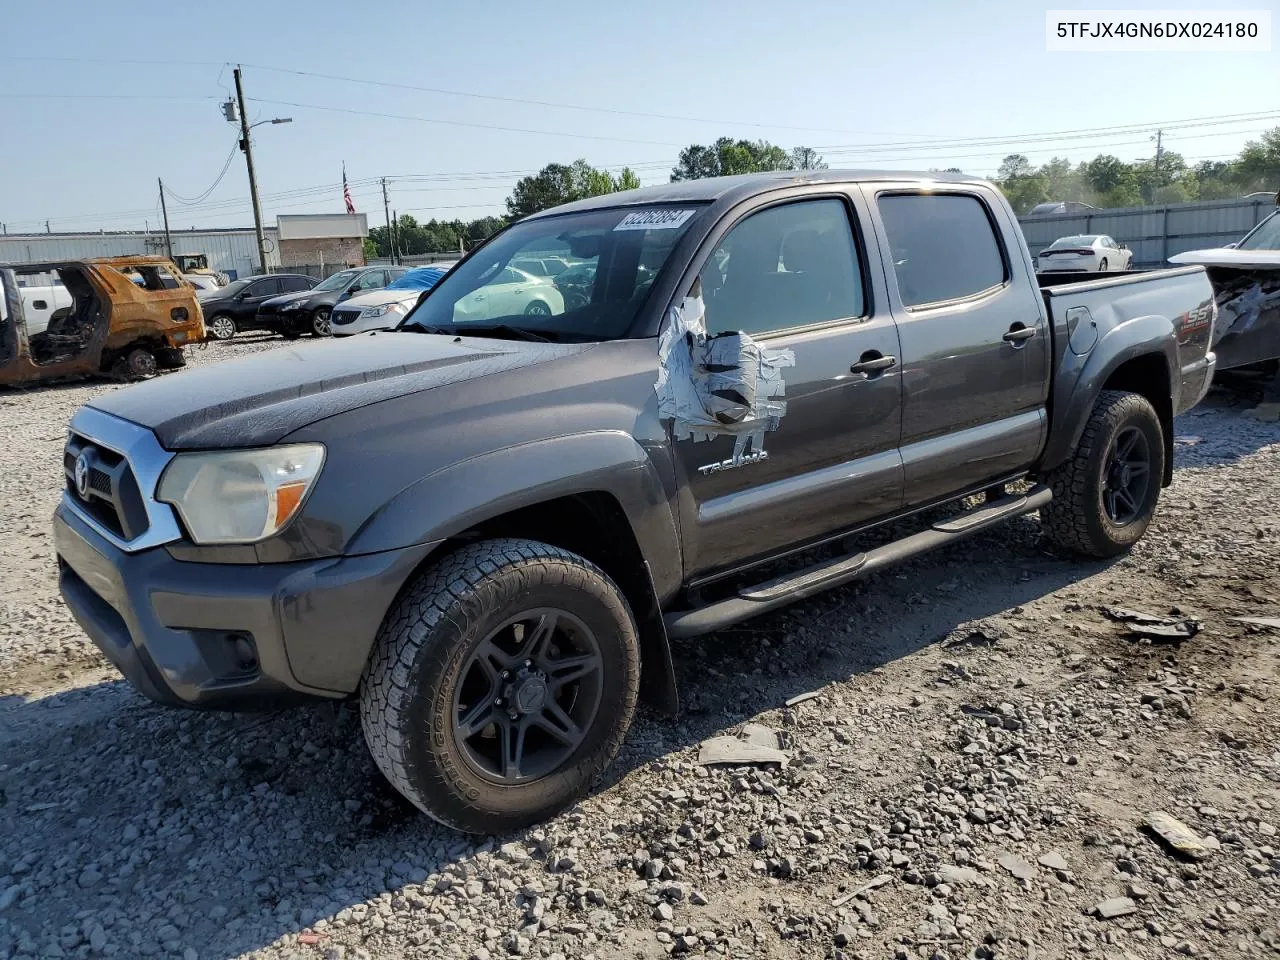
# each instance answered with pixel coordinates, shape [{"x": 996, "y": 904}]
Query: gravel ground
[{"x": 969, "y": 777}]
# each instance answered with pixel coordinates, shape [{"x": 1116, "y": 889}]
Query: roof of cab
[{"x": 745, "y": 185}]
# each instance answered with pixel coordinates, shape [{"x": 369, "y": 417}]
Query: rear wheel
[
  {"x": 320, "y": 323},
  {"x": 171, "y": 357},
  {"x": 501, "y": 684},
  {"x": 221, "y": 327},
  {"x": 1103, "y": 265},
  {"x": 1105, "y": 496}
]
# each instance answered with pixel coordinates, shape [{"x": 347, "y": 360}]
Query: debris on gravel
[{"x": 972, "y": 779}]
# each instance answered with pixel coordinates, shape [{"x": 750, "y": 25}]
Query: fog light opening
[{"x": 246, "y": 657}]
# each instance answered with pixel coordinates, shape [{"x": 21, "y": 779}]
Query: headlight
[
  {"x": 240, "y": 496},
  {"x": 394, "y": 309},
  {"x": 296, "y": 305}
]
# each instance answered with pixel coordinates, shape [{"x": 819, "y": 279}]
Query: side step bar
[{"x": 772, "y": 594}]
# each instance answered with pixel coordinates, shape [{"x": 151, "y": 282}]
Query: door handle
[
  {"x": 872, "y": 363},
  {"x": 1018, "y": 333}
]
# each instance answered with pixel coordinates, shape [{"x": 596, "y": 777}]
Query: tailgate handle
[
  {"x": 872, "y": 363},
  {"x": 1018, "y": 333}
]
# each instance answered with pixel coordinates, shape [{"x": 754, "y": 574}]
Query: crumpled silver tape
[{"x": 727, "y": 385}]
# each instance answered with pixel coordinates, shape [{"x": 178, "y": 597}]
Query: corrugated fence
[{"x": 1154, "y": 234}]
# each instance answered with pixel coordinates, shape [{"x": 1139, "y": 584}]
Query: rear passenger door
[
  {"x": 793, "y": 275},
  {"x": 974, "y": 333}
]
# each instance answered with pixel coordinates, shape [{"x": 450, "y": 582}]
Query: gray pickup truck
[{"x": 488, "y": 524}]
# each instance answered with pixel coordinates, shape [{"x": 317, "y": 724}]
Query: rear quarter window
[{"x": 944, "y": 246}]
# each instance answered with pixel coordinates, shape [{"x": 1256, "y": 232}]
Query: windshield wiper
[
  {"x": 483, "y": 330},
  {"x": 500, "y": 330}
]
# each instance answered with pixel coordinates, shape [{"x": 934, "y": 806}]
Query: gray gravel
[{"x": 971, "y": 779}]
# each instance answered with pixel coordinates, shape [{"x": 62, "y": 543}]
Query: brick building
[{"x": 322, "y": 239}]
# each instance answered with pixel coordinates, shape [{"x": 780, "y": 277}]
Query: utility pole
[
  {"x": 247, "y": 147},
  {"x": 395, "y": 218},
  {"x": 1159, "y": 150},
  {"x": 391, "y": 231},
  {"x": 168, "y": 241}
]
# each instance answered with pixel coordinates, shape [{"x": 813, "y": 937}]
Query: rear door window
[{"x": 944, "y": 246}]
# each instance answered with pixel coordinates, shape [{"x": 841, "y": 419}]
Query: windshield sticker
[{"x": 655, "y": 220}]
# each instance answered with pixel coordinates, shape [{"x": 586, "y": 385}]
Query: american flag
[{"x": 346, "y": 191}]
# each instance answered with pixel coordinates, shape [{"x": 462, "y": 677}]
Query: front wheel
[
  {"x": 537, "y": 308},
  {"x": 320, "y": 323},
  {"x": 501, "y": 684},
  {"x": 1105, "y": 495}
]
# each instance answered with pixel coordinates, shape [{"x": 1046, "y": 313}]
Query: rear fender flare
[{"x": 1140, "y": 337}]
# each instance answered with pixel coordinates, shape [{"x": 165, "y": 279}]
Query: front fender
[
  {"x": 464, "y": 494},
  {"x": 1081, "y": 379}
]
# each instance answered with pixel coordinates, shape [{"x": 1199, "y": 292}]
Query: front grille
[
  {"x": 343, "y": 317},
  {"x": 111, "y": 495}
]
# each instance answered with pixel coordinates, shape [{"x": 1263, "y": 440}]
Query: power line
[
  {"x": 222, "y": 173},
  {"x": 560, "y": 105},
  {"x": 461, "y": 123}
]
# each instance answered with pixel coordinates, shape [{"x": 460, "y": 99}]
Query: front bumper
[{"x": 228, "y": 636}]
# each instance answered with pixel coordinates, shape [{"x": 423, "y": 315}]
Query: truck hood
[
  {"x": 258, "y": 400},
  {"x": 1231, "y": 257}
]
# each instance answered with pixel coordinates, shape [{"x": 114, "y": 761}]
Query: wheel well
[
  {"x": 594, "y": 525},
  {"x": 1149, "y": 376}
]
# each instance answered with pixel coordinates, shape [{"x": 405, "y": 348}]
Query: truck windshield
[
  {"x": 1265, "y": 236},
  {"x": 611, "y": 257}
]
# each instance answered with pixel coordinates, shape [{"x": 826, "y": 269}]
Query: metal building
[
  {"x": 233, "y": 251},
  {"x": 1154, "y": 234}
]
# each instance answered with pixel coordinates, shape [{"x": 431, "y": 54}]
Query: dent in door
[{"x": 726, "y": 385}]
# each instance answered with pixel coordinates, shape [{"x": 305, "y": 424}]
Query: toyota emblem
[{"x": 82, "y": 475}]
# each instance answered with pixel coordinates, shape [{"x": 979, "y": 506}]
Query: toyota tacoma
[{"x": 488, "y": 526}]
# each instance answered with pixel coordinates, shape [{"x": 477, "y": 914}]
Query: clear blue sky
[{"x": 825, "y": 73}]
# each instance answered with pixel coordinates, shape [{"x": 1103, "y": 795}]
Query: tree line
[
  {"x": 1104, "y": 181},
  {"x": 1108, "y": 181}
]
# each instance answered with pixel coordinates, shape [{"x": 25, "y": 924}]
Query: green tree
[
  {"x": 1013, "y": 166},
  {"x": 556, "y": 183},
  {"x": 1105, "y": 173},
  {"x": 806, "y": 158},
  {"x": 727, "y": 157},
  {"x": 1022, "y": 184},
  {"x": 1258, "y": 167}
]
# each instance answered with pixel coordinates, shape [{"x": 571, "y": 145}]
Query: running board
[{"x": 764, "y": 597}]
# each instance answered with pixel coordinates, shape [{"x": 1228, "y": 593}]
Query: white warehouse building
[{"x": 329, "y": 240}]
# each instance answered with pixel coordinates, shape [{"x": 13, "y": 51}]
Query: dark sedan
[
  {"x": 234, "y": 307},
  {"x": 309, "y": 311}
]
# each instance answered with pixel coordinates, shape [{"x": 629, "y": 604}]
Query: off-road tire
[
  {"x": 1076, "y": 519},
  {"x": 171, "y": 358},
  {"x": 406, "y": 694}
]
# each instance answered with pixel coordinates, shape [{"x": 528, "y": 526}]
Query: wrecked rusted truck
[{"x": 114, "y": 325}]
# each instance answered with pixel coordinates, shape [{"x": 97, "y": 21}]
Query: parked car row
[{"x": 291, "y": 304}]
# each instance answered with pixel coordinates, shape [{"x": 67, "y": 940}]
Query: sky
[{"x": 458, "y": 100}]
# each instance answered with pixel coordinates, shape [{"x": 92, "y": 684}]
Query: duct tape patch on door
[{"x": 723, "y": 385}]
